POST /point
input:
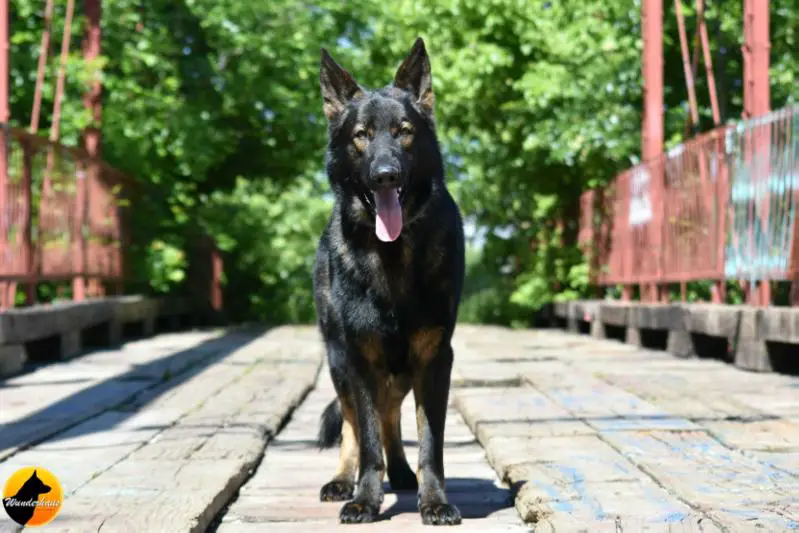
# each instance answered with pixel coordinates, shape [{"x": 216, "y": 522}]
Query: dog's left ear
[{"x": 414, "y": 76}]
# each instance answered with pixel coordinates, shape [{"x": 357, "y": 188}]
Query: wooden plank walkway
[
  {"x": 283, "y": 495},
  {"x": 600, "y": 436},
  {"x": 156, "y": 436},
  {"x": 547, "y": 431}
]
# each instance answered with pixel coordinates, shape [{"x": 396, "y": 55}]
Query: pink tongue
[{"x": 388, "y": 223}]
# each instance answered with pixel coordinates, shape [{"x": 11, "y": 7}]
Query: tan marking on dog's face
[
  {"x": 405, "y": 134},
  {"x": 361, "y": 136},
  {"x": 425, "y": 344}
]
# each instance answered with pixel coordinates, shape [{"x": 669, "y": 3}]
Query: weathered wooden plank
[
  {"x": 700, "y": 470},
  {"x": 785, "y": 461},
  {"x": 493, "y": 406},
  {"x": 777, "y": 435},
  {"x": 604, "y": 406},
  {"x": 177, "y": 455},
  {"x": 283, "y": 494},
  {"x": 55, "y": 397}
]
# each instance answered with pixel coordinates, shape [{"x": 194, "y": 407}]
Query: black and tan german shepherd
[{"x": 387, "y": 284}]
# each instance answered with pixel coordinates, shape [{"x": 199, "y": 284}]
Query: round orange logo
[{"x": 32, "y": 496}]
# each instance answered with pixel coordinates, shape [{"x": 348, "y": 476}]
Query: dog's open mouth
[{"x": 388, "y": 213}]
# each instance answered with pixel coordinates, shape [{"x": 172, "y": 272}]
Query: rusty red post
[
  {"x": 689, "y": 78},
  {"x": 27, "y": 222},
  {"x": 652, "y": 127},
  {"x": 216, "y": 278},
  {"x": 91, "y": 136},
  {"x": 4, "y": 118},
  {"x": 44, "y": 47},
  {"x": 711, "y": 78},
  {"x": 757, "y": 98},
  {"x": 652, "y": 24},
  {"x": 46, "y": 191},
  {"x": 59, "y": 90}
]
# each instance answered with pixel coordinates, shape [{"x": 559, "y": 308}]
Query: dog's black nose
[{"x": 386, "y": 175}]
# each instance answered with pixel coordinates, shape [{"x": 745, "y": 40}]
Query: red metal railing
[
  {"x": 61, "y": 217},
  {"x": 721, "y": 206}
]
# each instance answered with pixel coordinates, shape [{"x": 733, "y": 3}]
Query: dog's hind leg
[
  {"x": 431, "y": 392},
  {"x": 400, "y": 475}
]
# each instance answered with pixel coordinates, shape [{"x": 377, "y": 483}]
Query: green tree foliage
[{"x": 214, "y": 108}]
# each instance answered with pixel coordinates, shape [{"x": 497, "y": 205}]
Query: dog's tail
[{"x": 330, "y": 424}]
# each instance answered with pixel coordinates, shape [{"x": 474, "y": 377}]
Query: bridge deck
[{"x": 161, "y": 434}]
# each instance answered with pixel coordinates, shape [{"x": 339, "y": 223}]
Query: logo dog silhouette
[{"x": 21, "y": 506}]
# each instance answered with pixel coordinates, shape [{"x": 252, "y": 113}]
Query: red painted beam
[
  {"x": 652, "y": 70},
  {"x": 4, "y": 117},
  {"x": 757, "y": 96}
]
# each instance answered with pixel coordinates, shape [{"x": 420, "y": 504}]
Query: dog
[
  {"x": 21, "y": 506},
  {"x": 388, "y": 277}
]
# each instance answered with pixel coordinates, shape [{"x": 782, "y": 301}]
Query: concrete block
[
  {"x": 615, "y": 313},
  {"x": 657, "y": 316},
  {"x": 115, "y": 335},
  {"x": 148, "y": 326},
  {"x": 633, "y": 336},
  {"x": 561, "y": 309},
  {"x": 135, "y": 308},
  {"x": 752, "y": 354},
  {"x": 760, "y": 326},
  {"x": 716, "y": 320},
  {"x": 585, "y": 310},
  {"x": 70, "y": 344},
  {"x": 18, "y": 326},
  {"x": 679, "y": 343},
  {"x": 780, "y": 324},
  {"x": 12, "y": 359},
  {"x": 598, "y": 330},
  {"x": 572, "y": 319}
]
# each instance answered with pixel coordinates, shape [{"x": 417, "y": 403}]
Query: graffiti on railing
[
  {"x": 640, "y": 199},
  {"x": 764, "y": 158},
  {"x": 720, "y": 206}
]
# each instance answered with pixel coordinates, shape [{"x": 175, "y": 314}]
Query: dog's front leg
[
  {"x": 431, "y": 392},
  {"x": 365, "y": 505}
]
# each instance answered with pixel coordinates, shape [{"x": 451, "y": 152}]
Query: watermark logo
[{"x": 32, "y": 496}]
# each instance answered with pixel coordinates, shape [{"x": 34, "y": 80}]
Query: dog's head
[{"x": 383, "y": 156}]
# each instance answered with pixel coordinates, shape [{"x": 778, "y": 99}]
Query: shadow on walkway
[
  {"x": 474, "y": 497},
  {"x": 124, "y": 394}
]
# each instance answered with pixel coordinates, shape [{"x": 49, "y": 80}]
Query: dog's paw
[
  {"x": 402, "y": 478},
  {"x": 337, "y": 491},
  {"x": 439, "y": 514},
  {"x": 357, "y": 513}
]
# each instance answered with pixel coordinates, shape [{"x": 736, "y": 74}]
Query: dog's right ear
[{"x": 338, "y": 86}]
